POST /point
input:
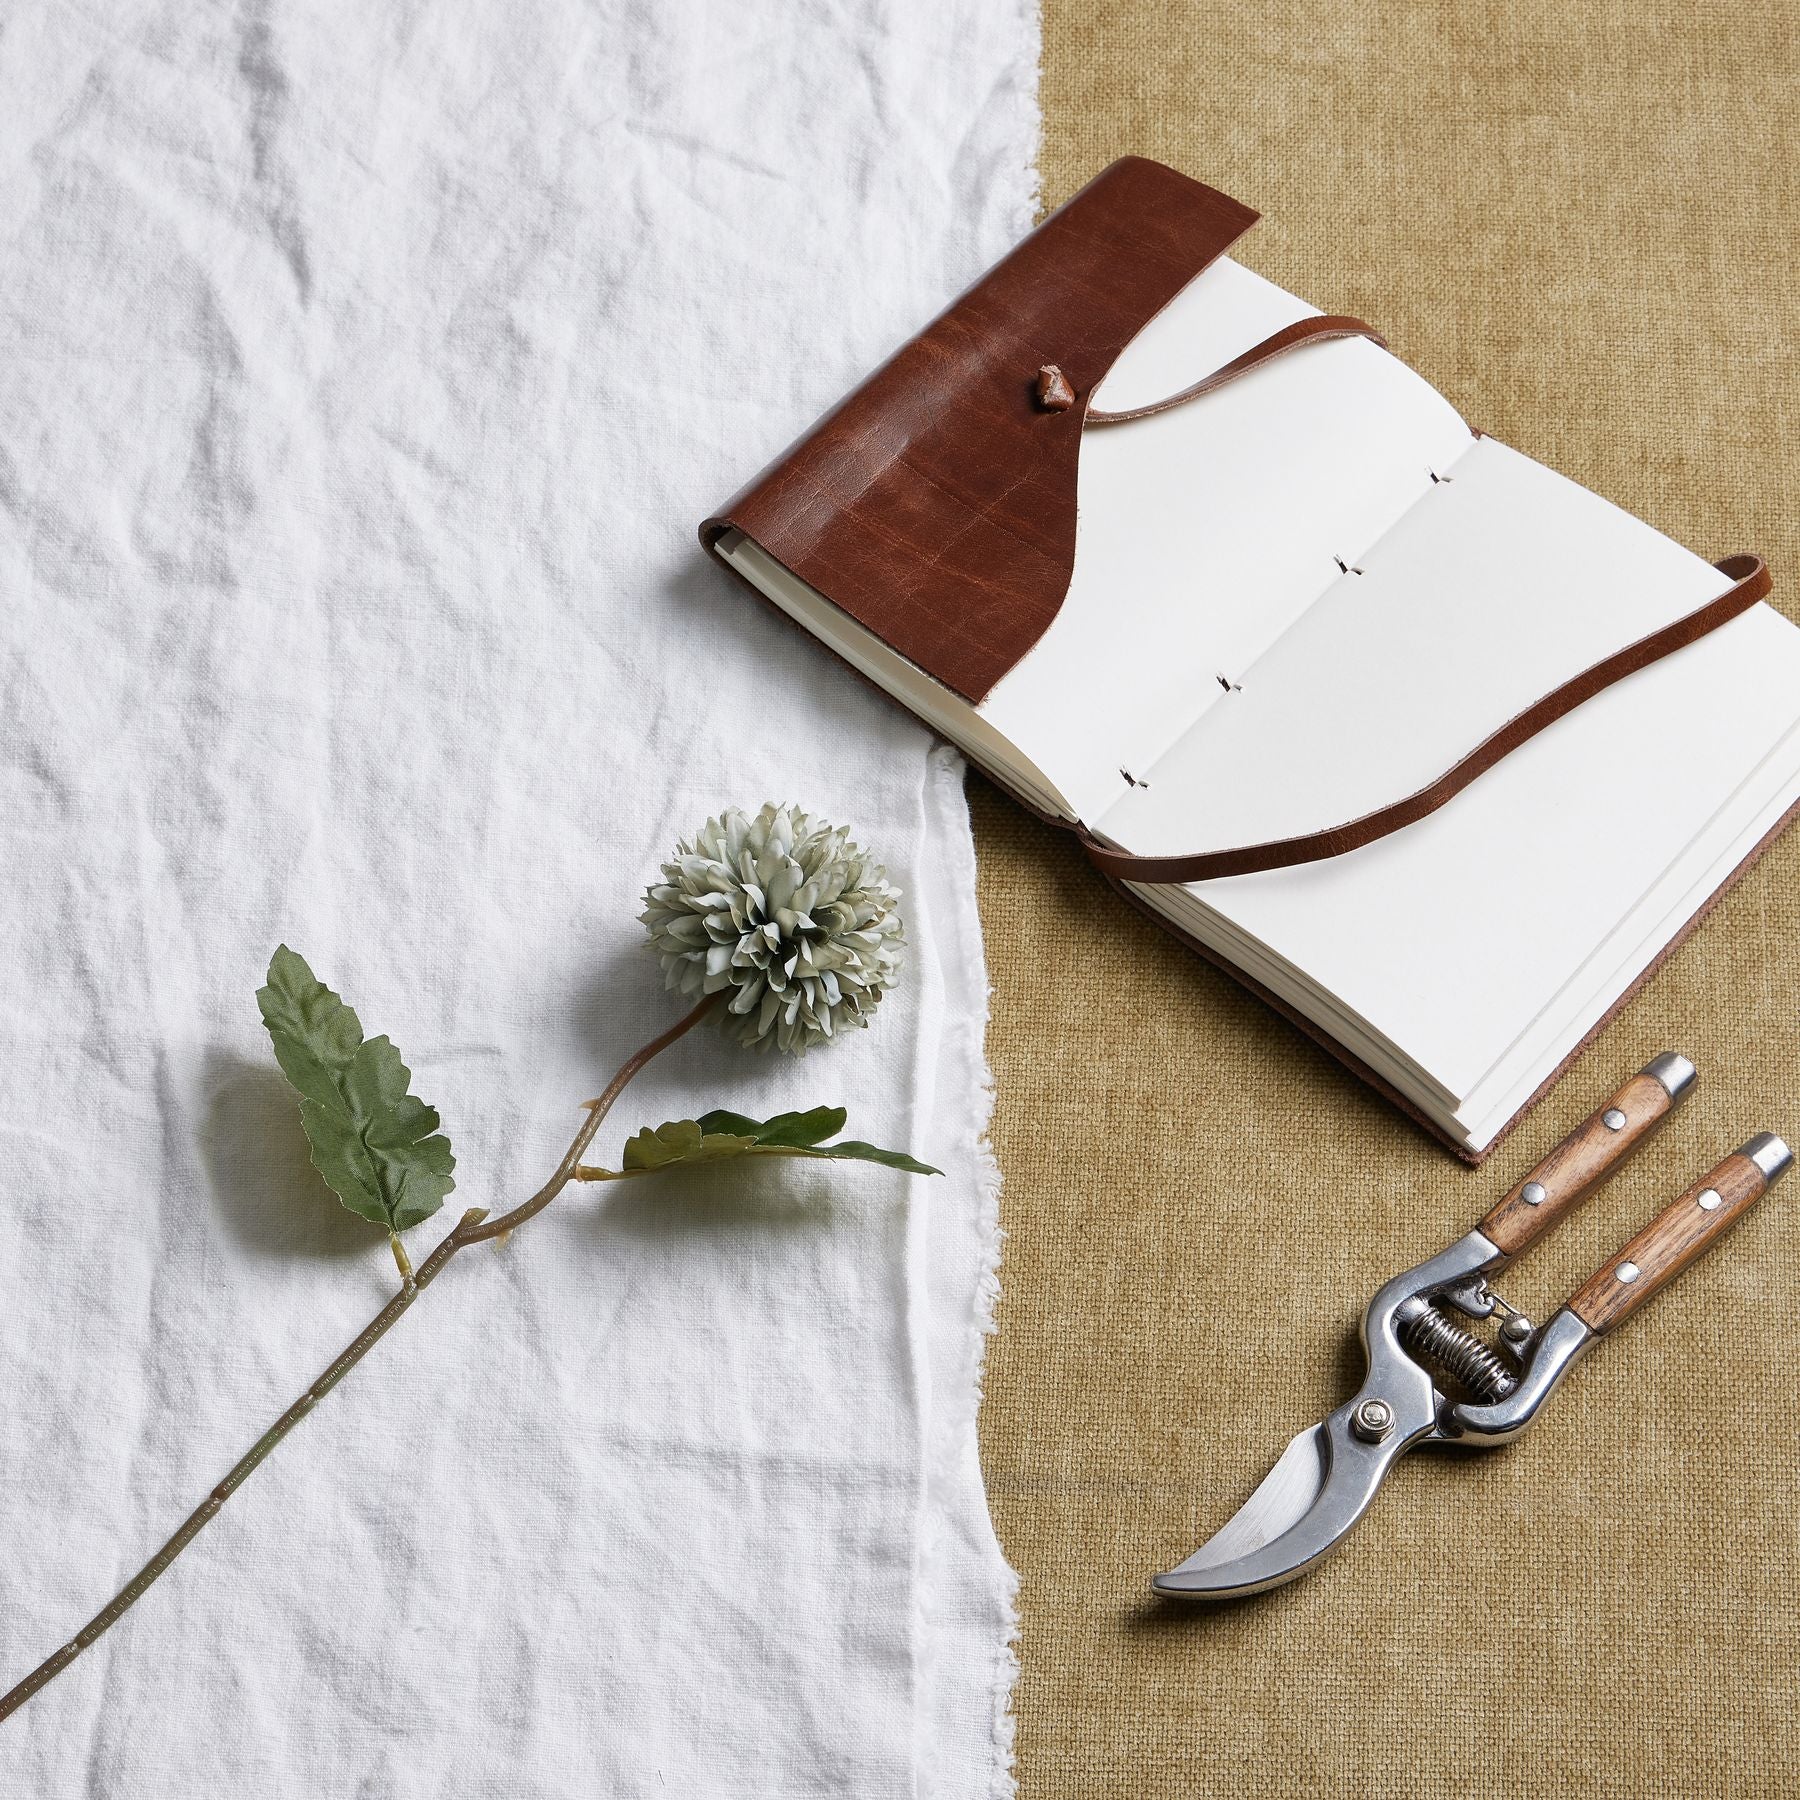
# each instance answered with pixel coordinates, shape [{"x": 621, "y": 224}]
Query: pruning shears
[{"x": 1433, "y": 1380}]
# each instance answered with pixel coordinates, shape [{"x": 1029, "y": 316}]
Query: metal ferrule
[
  {"x": 1560, "y": 1345},
  {"x": 1769, "y": 1154},
  {"x": 1673, "y": 1070}
]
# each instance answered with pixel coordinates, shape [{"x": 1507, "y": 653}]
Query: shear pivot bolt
[
  {"x": 1613, "y": 1119},
  {"x": 1372, "y": 1421}
]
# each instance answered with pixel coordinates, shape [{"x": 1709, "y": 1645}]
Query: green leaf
[
  {"x": 719, "y": 1136},
  {"x": 785, "y": 1128},
  {"x": 682, "y": 1140},
  {"x": 377, "y": 1145},
  {"x": 851, "y": 1150}
]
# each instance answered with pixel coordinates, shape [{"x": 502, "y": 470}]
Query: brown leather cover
[{"x": 936, "y": 503}]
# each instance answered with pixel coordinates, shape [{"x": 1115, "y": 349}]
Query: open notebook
[{"x": 1289, "y": 603}]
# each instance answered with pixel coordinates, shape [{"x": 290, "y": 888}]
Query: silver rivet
[
  {"x": 1534, "y": 1193},
  {"x": 1628, "y": 1273},
  {"x": 1372, "y": 1421},
  {"x": 1613, "y": 1119},
  {"x": 1709, "y": 1200}
]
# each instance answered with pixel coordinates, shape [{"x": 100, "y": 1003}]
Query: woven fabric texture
[{"x": 1579, "y": 224}]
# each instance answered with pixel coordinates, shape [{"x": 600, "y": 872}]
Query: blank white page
[
  {"x": 1684, "y": 890},
  {"x": 1452, "y": 936},
  {"x": 1497, "y": 586},
  {"x": 1205, "y": 532}
]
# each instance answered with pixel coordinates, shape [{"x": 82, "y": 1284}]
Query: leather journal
[{"x": 1436, "y": 751}]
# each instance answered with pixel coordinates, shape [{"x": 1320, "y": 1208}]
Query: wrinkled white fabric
[{"x": 364, "y": 371}]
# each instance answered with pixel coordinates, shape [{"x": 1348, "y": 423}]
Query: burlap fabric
[{"x": 1578, "y": 222}]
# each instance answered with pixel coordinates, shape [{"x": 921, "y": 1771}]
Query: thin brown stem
[
  {"x": 473, "y": 1227},
  {"x": 596, "y": 1111}
]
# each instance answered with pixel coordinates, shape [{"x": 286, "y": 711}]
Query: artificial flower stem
[
  {"x": 121, "y": 1603},
  {"x": 402, "y": 1261},
  {"x": 473, "y": 1228},
  {"x": 596, "y": 1111}
]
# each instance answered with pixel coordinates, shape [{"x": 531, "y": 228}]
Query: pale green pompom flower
[{"x": 786, "y": 912}]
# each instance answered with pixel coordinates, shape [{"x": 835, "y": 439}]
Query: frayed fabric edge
[{"x": 991, "y": 1585}]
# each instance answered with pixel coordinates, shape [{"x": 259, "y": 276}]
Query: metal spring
[{"x": 1459, "y": 1353}]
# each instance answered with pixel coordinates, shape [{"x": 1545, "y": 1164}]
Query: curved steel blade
[
  {"x": 1327, "y": 1476},
  {"x": 1283, "y": 1497},
  {"x": 1318, "y": 1489}
]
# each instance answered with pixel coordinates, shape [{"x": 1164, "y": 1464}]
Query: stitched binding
[{"x": 1750, "y": 583}]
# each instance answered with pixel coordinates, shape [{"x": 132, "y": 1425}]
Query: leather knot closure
[{"x": 1053, "y": 391}]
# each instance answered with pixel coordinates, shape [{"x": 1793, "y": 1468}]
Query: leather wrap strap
[
  {"x": 1750, "y": 583},
  {"x": 1290, "y": 337}
]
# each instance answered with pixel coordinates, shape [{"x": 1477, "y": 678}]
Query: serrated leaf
[
  {"x": 718, "y": 1136},
  {"x": 682, "y": 1140},
  {"x": 377, "y": 1145}
]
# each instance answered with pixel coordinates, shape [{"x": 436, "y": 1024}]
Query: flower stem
[
  {"x": 472, "y": 1228},
  {"x": 596, "y": 1111}
]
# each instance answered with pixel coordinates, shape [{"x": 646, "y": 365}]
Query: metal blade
[
  {"x": 1282, "y": 1498},
  {"x": 1307, "y": 1503}
]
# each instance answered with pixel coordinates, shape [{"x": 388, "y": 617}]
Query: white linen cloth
[{"x": 364, "y": 371}]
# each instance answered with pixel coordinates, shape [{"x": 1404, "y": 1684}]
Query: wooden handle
[
  {"x": 1585, "y": 1158},
  {"x": 1676, "y": 1237}
]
